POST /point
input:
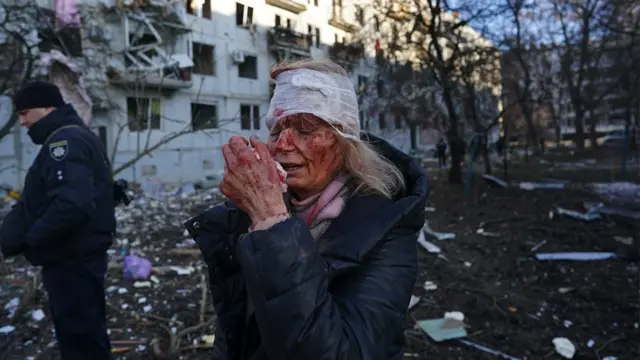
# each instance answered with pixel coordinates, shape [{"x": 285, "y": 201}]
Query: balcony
[
  {"x": 174, "y": 75},
  {"x": 281, "y": 40},
  {"x": 289, "y": 5},
  {"x": 346, "y": 53},
  {"x": 337, "y": 21}
]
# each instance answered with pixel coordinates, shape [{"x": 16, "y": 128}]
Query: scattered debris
[
  {"x": 542, "y": 186},
  {"x": 564, "y": 347},
  {"x": 414, "y": 301},
  {"x": 591, "y": 215},
  {"x": 451, "y": 326},
  {"x": 494, "y": 180},
  {"x": 488, "y": 350},
  {"x": 440, "y": 236},
  {"x": 576, "y": 256}
]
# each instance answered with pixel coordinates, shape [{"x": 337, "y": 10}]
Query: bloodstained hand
[{"x": 250, "y": 181}]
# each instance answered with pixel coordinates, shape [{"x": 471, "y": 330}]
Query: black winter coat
[
  {"x": 344, "y": 296},
  {"x": 66, "y": 209}
]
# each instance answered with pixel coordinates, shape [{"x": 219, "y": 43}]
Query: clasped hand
[{"x": 252, "y": 182}]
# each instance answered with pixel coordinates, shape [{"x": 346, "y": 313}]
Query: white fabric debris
[{"x": 564, "y": 347}]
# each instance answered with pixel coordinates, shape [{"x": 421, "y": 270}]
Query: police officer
[{"x": 64, "y": 220}]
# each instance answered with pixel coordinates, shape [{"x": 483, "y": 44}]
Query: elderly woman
[{"x": 327, "y": 270}]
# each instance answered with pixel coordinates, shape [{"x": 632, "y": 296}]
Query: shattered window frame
[
  {"x": 202, "y": 118},
  {"x": 248, "y": 69},
  {"x": 382, "y": 121},
  {"x": 138, "y": 120},
  {"x": 204, "y": 66},
  {"x": 250, "y": 117}
]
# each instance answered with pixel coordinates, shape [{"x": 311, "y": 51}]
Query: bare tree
[
  {"x": 583, "y": 55},
  {"x": 19, "y": 56},
  {"x": 518, "y": 66},
  {"x": 423, "y": 48}
]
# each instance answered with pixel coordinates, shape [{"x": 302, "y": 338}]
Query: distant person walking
[{"x": 441, "y": 150}]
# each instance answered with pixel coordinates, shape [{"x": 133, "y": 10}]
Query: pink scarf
[{"x": 319, "y": 210}]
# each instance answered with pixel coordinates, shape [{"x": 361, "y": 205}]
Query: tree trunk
[
  {"x": 485, "y": 155},
  {"x": 578, "y": 138},
  {"x": 455, "y": 171}
]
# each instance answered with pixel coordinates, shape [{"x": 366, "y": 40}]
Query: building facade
[
  {"x": 166, "y": 83},
  {"x": 169, "y": 84}
]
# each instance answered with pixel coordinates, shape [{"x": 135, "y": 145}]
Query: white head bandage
[{"x": 330, "y": 97}]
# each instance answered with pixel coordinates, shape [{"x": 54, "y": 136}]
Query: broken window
[
  {"x": 244, "y": 15},
  {"x": 67, "y": 40},
  {"x": 250, "y": 117},
  {"x": 382, "y": 122},
  {"x": 204, "y": 116},
  {"x": 289, "y": 24},
  {"x": 143, "y": 113},
  {"x": 249, "y": 68},
  {"x": 317, "y": 37},
  {"x": 200, "y": 8},
  {"x": 204, "y": 59},
  {"x": 144, "y": 39},
  {"x": 278, "y": 21},
  {"x": 398, "y": 121},
  {"x": 315, "y": 2}
]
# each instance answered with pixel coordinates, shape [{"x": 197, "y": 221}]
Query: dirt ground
[{"x": 512, "y": 303}]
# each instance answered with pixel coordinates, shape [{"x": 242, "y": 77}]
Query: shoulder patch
[{"x": 58, "y": 150}]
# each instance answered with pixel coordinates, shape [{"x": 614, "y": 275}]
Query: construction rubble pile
[{"x": 156, "y": 281}]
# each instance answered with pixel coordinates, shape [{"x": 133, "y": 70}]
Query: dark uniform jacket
[
  {"x": 343, "y": 297},
  {"x": 66, "y": 209}
]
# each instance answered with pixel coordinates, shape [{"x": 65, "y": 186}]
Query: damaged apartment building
[{"x": 165, "y": 83}]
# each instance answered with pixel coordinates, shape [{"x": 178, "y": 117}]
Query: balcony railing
[
  {"x": 280, "y": 39},
  {"x": 346, "y": 52},
  {"x": 289, "y": 5},
  {"x": 339, "y": 22}
]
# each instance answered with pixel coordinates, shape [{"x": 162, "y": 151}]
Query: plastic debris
[
  {"x": 429, "y": 286},
  {"x": 136, "y": 267},
  {"x": 429, "y": 246},
  {"x": 414, "y": 301},
  {"x": 488, "y": 350},
  {"x": 564, "y": 347},
  {"x": 37, "y": 315},
  {"x": 7, "y": 329},
  {"x": 540, "y": 186},
  {"x": 591, "y": 215},
  {"x": 451, "y": 326},
  {"x": 494, "y": 180},
  {"x": 438, "y": 235},
  {"x": 576, "y": 256},
  {"x": 482, "y": 232}
]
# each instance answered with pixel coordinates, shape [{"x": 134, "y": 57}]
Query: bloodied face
[{"x": 308, "y": 150}]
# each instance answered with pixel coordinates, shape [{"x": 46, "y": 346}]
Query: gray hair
[{"x": 373, "y": 173}]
